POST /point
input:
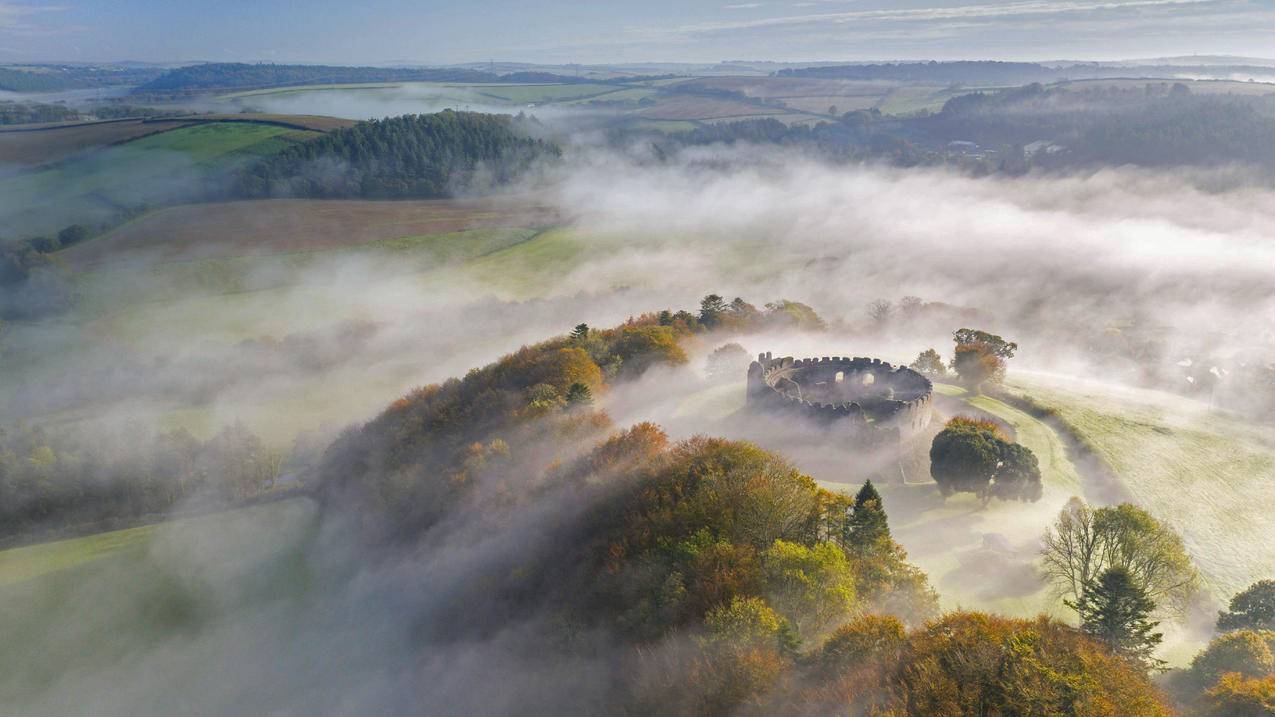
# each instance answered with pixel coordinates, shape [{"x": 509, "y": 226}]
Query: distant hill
[
  {"x": 989, "y": 73},
  {"x": 59, "y": 78},
  {"x": 964, "y": 72},
  {"x": 237, "y": 75},
  {"x": 413, "y": 156}
]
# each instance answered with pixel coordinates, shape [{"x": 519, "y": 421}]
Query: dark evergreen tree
[
  {"x": 579, "y": 394},
  {"x": 580, "y": 332},
  {"x": 1115, "y": 609},
  {"x": 867, "y": 524}
]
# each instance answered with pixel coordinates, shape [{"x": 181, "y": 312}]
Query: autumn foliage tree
[{"x": 980, "y": 357}]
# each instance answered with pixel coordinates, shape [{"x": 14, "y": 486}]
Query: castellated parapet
[{"x": 873, "y": 403}]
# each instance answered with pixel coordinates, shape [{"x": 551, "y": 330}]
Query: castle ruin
[{"x": 868, "y": 401}]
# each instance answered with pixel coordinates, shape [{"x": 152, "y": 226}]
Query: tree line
[
  {"x": 64, "y": 480},
  {"x": 412, "y": 156},
  {"x": 229, "y": 75}
]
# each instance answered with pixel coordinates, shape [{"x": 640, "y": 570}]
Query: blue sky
[{"x": 557, "y": 31}]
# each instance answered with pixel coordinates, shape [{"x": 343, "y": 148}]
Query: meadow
[
  {"x": 132, "y": 590},
  {"x": 1206, "y": 474},
  {"x": 99, "y": 184}
]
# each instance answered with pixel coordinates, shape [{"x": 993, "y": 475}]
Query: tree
[
  {"x": 1018, "y": 475},
  {"x": 579, "y": 395},
  {"x": 929, "y": 363},
  {"x": 980, "y": 357},
  {"x": 1235, "y": 696},
  {"x": 1115, "y": 609},
  {"x": 810, "y": 586},
  {"x": 880, "y": 311},
  {"x": 867, "y": 637},
  {"x": 793, "y": 314},
  {"x": 1254, "y": 608},
  {"x": 995, "y": 345},
  {"x": 973, "y": 456},
  {"x": 711, "y": 308},
  {"x": 977, "y": 664},
  {"x": 73, "y": 235},
  {"x": 728, "y": 362},
  {"x": 1084, "y": 542},
  {"x": 1247, "y": 652},
  {"x": 867, "y": 524},
  {"x": 580, "y": 332},
  {"x": 976, "y": 365}
]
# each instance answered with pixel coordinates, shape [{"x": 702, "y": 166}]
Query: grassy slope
[
  {"x": 31, "y": 562},
  {"x": 150, "y": 170},
  {"x": 81, "y": 605},
  {"x": 1207, "y": 475},
  {"x": 946, "y": 537}
]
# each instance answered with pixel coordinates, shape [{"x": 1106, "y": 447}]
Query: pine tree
[
  {"x": 1115, "y": 609},
  {"x": 867, "y": 525},
  {"x": 580, "y": 332},
  {"x": 710, "y": 309},
  {"x": 579, "y": 394}
]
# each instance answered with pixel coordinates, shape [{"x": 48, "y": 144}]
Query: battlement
[{"x": 872, "y": 399}]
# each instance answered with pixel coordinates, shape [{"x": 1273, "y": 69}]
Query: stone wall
[{"x": 875, "y": 403}]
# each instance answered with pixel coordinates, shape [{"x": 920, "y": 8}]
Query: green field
[
  {"x": 514, "y": 94},
  {"x": 150, "y": 170},
  {"x": 945, "y": 537},
  {"x": 1207, "y": 475},
  {"x": 80, "y": 608}
]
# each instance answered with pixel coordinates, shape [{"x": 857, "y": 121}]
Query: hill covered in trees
[
  {"x": 700, "y": 577},
  {"x": 416, "y": 156},
  {"x": 976, "y": 72},
  {"x": 241, "y": 75},
  {"x": 1057, "y": 128},
  {"x": 57, "y": 78}
]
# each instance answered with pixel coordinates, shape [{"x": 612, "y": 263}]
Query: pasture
[
  {"x": 96, "y": 186},
  {"x": 1207, "y": 475},
  {"x": 79, "y": 607}
]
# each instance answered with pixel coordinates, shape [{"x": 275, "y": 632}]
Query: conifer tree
[
  {"x": 580, "y": 332},
  {"x": 579, "y": 394},
  {"x": 867, "y": 524},
  {"x": 1115, "y": 609}
]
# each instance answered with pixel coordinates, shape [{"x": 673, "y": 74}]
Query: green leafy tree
[
  {"x": 1115, "y": 609},
  {"x": 929, "y": 363},
  {"x": 1254, "y": 609},
  {"x": 727, "y": 362},
  {"x": 793, "y": 314},
  {"x": 809, "y": 586},
  {"x": 1018, "y": 476},
  {"x": 973, "y": 456},
  {"x": 1247, "y": 652},
  {"x": 711, "y": 308},
  {"x": 1084, "y": 542}
]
